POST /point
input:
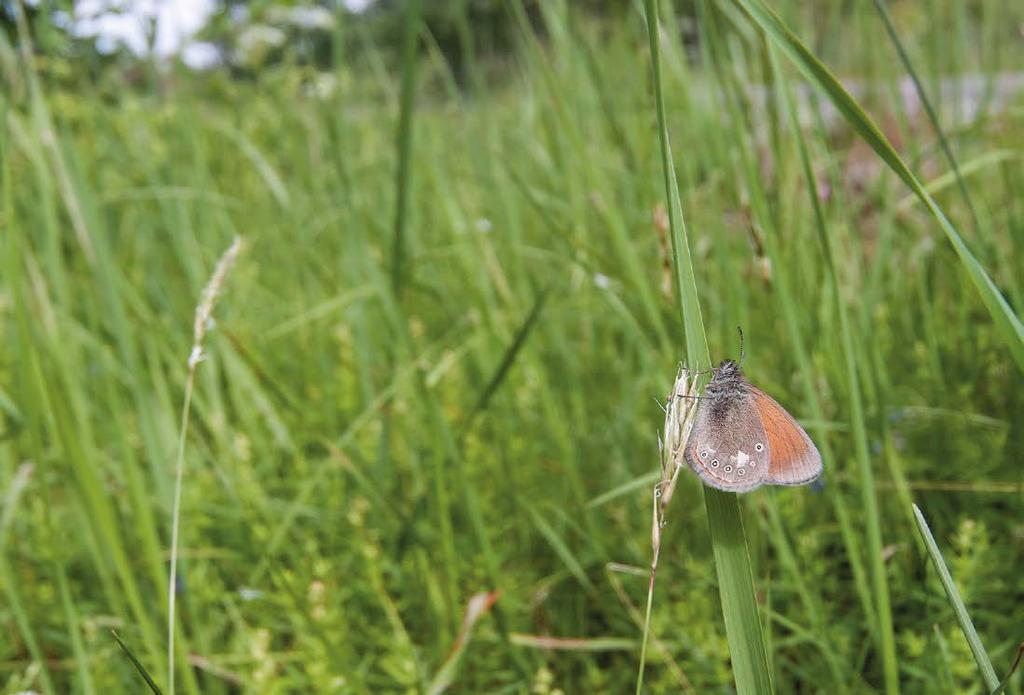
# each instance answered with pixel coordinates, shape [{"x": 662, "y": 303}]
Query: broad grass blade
[{"x": 732, "y": 561}]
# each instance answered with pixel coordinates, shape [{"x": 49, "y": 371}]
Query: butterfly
[{"x": 742, "y": 439}]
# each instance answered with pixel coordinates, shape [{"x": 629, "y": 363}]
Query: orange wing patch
[{"x": 794, "y": 460}]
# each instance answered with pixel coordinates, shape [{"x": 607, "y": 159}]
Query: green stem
[
  {"x": 179, "y": 474},
  {"x": 732, "y": 561}
]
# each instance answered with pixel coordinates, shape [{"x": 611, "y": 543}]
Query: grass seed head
[
  {"x": 679, "y": 415},
  {"x": 204, "y": 310}
]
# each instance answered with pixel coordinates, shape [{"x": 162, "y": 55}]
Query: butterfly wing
[
  {"x": 793, "y": 458},
  {"x": 728, "y": 447}
]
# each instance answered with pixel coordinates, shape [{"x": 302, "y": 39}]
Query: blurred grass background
[{"x": 373, "y": 445}]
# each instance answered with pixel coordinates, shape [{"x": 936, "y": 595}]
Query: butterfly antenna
[
  {"x": 742, "y": 354},
  {"x": 701, "y": 372}
]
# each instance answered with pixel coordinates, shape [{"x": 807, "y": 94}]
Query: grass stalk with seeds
[
  {"x": 202, "y": 322},
  {"x": 680, "y": 411}
]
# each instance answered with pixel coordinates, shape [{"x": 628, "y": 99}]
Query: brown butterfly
[{"x": 742, "y": 439}]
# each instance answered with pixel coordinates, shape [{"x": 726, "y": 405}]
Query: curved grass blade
[
  {"x": 643, "y": 482},
  {"x": 1009, "y": 674},
  {"x": 943, "y": 181},
  {"x": 988, "y": 674},
  {"x": 478, "y": 605},
  {"x": 562, "y": 550},
  {"x": 732, "y": 561},
  {"x": 138, "y": 667},
  {"x": 508, "y": 359},
  {"x": 1009, "y": 325}
]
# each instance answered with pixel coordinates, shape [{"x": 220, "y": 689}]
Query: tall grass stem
[
  {"x": 202, "y": 322},
  {"x": 743, "y": 630}
]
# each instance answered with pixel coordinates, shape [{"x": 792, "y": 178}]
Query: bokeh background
[{"x": 423, "y": 442}]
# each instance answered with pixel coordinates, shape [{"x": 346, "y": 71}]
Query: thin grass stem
[{"x": 201, "y": 324}]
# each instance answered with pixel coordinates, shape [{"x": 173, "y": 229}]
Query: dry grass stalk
[{"x": 679, "y": 415}]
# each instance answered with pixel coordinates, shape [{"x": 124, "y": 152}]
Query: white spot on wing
[{"x": 742, "y": 458}]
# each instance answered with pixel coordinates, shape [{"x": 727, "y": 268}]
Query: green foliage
[{"x": 359, "y": 465}]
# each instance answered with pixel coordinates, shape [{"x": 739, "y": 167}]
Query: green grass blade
[
  {"x": 736, "y": 586},
  {"x": 562, "y": 550},
  {"x": 630, "y": 486},
  {"x": 991, "y": 158},
  {"x": 1010, "y": 326},
  {"x": 404, "y": 172},
  {"x": 732, "y": 561},
  {"x": 988, "y": 674},
  {"x": 885, "y": 634},
  {"x": 508, "y": 359},
  {"x": 933, "y": 117},
  {"x": 138, "y": 666},
  {"x": 74, "y": 629},
  {"x": 697, "y": 354}
]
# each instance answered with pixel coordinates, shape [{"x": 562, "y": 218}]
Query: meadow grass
[{"x": 435, "y": 371}]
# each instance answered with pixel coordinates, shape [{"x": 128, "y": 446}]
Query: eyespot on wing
[{"x": 721, "y": 448}]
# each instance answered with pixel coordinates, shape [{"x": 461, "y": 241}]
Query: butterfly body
[{"x": 742, "y": 438}]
